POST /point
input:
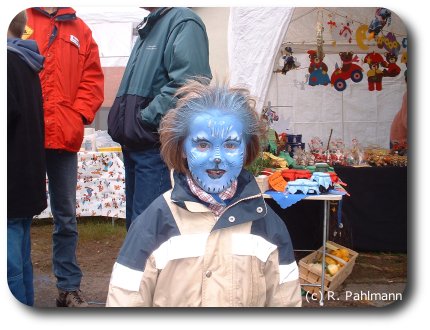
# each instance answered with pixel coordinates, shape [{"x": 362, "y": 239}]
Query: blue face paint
[{"x": 215, "y": 150}]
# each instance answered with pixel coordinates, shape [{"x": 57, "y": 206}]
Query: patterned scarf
[{"x": 215, "y": 206}]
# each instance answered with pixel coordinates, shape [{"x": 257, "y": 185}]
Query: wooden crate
[{"x": 311, "y": 275}]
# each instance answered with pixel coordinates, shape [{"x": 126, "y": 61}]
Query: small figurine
[
  {"x": 290, "y": 62},
  {"x": 382, "y": 16}
]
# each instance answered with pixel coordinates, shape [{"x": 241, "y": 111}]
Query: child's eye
[
  {"x": 231, "y": 145},
  {"x": 202, "y": 145}
]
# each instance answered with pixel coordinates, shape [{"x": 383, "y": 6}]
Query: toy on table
[
  {"x": 324, "y": 181},
  {"x": 303, "y": 186}
]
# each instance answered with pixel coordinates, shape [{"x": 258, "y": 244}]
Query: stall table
[
  {"x": 326, "y": 199},
  {"x": 100, "y": 186}
]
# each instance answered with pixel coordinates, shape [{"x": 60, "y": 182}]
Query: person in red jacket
[{"x": 72, "y": 87}]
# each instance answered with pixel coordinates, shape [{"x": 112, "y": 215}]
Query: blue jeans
[
  {"x": 19, "y": 266},
  {"x": 62, "y": 170},
  {"x": 146, "y": 178}
]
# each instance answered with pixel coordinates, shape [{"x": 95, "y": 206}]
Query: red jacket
[{"x": 72, "y": 78}]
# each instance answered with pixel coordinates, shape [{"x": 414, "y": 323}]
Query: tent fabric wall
[
  {"x": 113, "y": 29},
  {"x": 254, "y": 37},
  {"x": 354, "y": 113}
]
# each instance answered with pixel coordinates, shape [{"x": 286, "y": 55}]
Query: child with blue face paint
[{"x": 211, "y": 241}]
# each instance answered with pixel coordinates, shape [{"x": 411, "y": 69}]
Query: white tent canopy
[{"x": 114, "y": 30}]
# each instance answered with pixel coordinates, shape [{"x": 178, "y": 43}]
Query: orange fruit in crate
[
  {"x": 345, "y": 258},
  {"x": 337, "y": 253},
  {"x": 330, "y": 261},
  {"x": 344, "y": 252}
]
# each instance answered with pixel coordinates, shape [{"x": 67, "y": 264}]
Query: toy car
[{"x": 339, "y": 77}]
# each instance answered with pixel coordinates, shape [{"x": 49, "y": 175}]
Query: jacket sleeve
[
  {"x": 282, "y": 283},
  {"x": 186, "y": 55},
  {"x": 281, "y": 271},
  {"x": 90, "y": 94},
  {"x": 131, "y": 288}
]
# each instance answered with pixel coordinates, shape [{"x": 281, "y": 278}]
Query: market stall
[
  {"x": 307, "y": 61},
  {"x": 330, "y": 82}
]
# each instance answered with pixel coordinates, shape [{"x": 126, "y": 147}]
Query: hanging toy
[
  {"x": 348, "y": 70},
  {"x": 290, "y": 62},
  {"x": 345, "y": 30},
  {"x": 374, "y": 75},
  {"x": 404, "y": 58},
  {"x": 332, "y": 27},
  {"x": 392, "y": 69},
  {"x": 389, "y": 42},
  {"x": 361, "y": 37},
  {"x": 382, "y": 17},
  {"x": 301, "y": 84},
  {"x": 269, "y": 115},
  {"x": 317, "y": 69},
  {"x": 331, "y": 24}
]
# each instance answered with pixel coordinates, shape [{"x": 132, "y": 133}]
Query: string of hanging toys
[{"x": 341, "y": 28}]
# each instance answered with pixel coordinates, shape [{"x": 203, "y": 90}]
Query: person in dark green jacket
[{"x": 171, "y": 48}]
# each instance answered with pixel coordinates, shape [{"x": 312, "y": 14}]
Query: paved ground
[{"x": 377, "y": 279}]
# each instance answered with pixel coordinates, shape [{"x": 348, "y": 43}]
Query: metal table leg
[{"x": 325, "y": 227}]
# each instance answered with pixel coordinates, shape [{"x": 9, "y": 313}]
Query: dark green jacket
[{"x": 172, "y": 47}]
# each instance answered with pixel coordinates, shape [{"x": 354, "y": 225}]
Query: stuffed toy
[
  {"x": 317, "y": 69},
  {"x": 392, "y": 69},
  {"x": 374, "y": 75}
]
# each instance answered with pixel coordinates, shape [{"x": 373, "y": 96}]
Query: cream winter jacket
[{"x": 178, "y": 254}]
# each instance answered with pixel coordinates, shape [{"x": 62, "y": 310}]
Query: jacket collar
[
  {"x": 149, "y": 21},
  {"x": 246, "y": 205},
  {"x": 62, "y": 14}
]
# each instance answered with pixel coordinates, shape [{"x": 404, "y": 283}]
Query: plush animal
[
  {"x": 317, "y": 69},
  {"x": 374, "y": 75},
  {"x": 347, "y": 59},
  {"x": 392, "y": 69}
]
